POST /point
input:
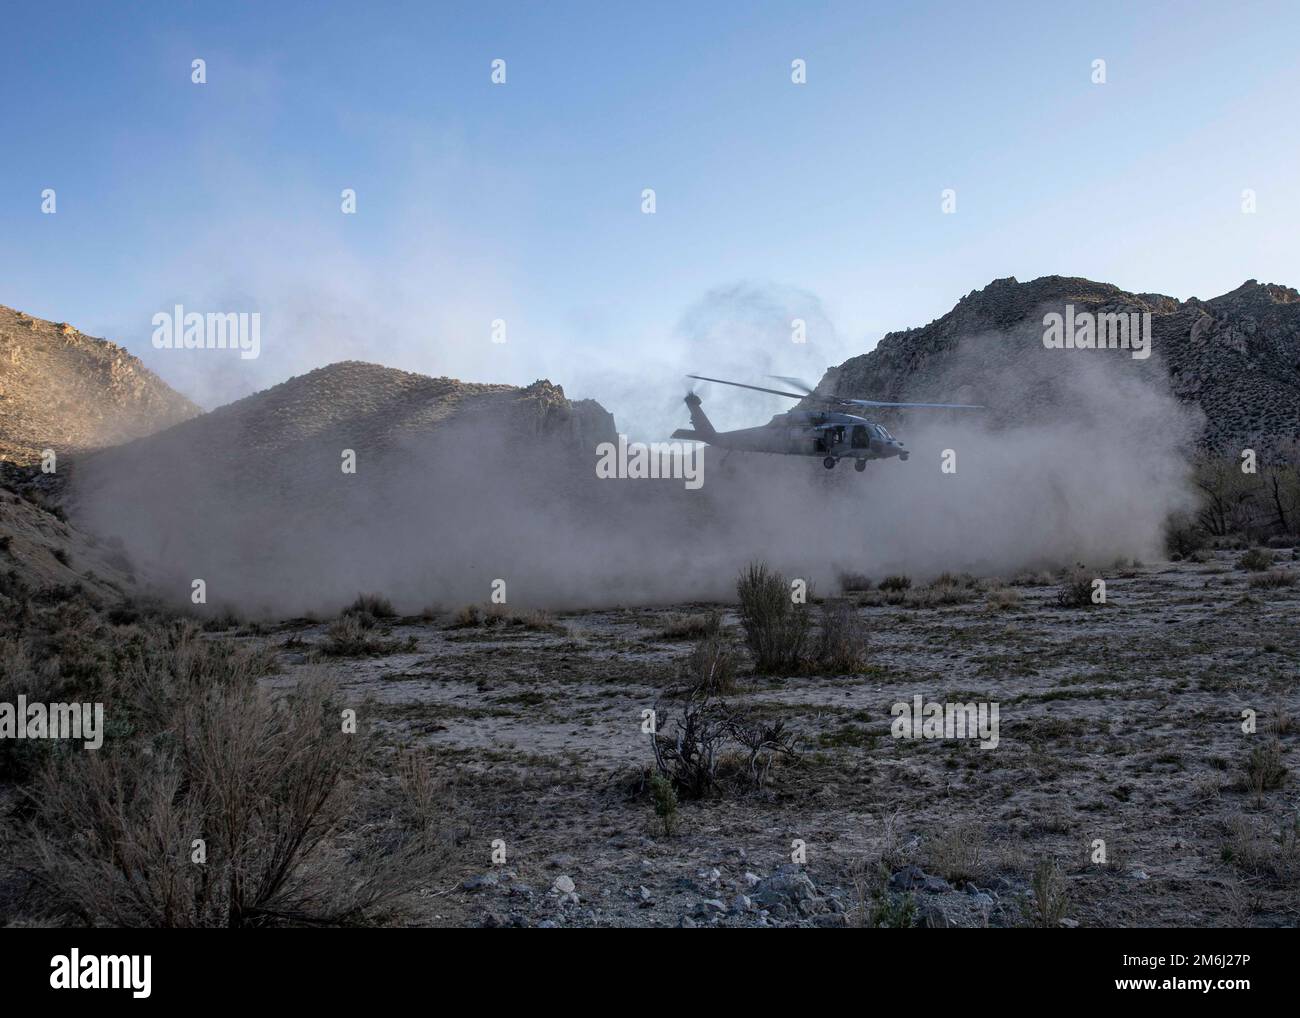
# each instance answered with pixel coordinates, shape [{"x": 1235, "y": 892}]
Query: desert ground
[{"x": 1120, "y": 721}]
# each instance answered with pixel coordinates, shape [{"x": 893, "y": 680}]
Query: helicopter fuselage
[
  {"x": 827, "y": 434},
  {"x": 830, "y": 434},
  {"x": 813, "y": 433}
]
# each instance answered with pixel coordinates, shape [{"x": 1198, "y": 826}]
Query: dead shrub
[{"x": 707, "y": 741}]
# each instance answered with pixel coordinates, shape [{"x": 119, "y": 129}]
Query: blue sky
[{"x": 522, "y": 201}]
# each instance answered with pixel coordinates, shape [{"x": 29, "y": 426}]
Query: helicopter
[{"x": 830, "y": 433}]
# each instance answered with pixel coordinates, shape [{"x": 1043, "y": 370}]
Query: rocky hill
[
  {"x": 348, "y": 476},
  {"x": 1233, "y": 359},
  {"x": 69, "y": 392},
  {"x": 368, "y": 408}
]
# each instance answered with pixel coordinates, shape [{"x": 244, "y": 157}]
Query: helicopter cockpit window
[
  {"x": 883, "y": 434},
  {"x": 860, "y": 438}
]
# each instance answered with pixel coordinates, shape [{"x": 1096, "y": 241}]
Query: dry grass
[
  {"x": 1274, "y": 579},
  {"x": 690, "y": 627},
  {"x": 1003, "y": 599},
  {"x": 1051, "y": 895},
  {"x": 491, "y": 616},
  {"x": 1264, "y": 769},
  {"x": 1259, "y": 851},
  {"x": 960, "y": 854},
  {"x": 353, "y": 636}
]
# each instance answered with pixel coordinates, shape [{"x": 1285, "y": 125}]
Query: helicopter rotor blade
[
  {"x": 798, "y": 383},
  {"x": 840, "y": 400},
  {"x": 756, "y": 388},
  {"x": 938, "y": 406}
]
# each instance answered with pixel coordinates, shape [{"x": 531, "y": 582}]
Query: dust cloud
[{"x": 1079, "y": 459}]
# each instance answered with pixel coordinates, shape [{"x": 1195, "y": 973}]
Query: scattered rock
[
  {"x": 710, "y": 906},
  {"x": 788, "y": 887},
  {"x": 480, "y": 883}
]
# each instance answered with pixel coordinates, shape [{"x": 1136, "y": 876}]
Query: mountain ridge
[{"x": 1235, "y": 358}]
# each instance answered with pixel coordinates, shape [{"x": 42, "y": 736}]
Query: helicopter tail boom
[{"x": 704, "y": 430}]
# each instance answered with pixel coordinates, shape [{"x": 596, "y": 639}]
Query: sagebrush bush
[
  {"x": 711, "y": 667},
  {"x": 855, "y": 582},
  {"x": 1076, "y": 591},
  {"x": 375, "y": 605},
  {"x": 842, "y": 644},
  {"x": 352, "y": 636},
  {"x": 1183, "y": 536},
  {"x": 211, "y": 803},
  {"x": 776, "y": 628},
  {"x": 1256, "y": 560}
]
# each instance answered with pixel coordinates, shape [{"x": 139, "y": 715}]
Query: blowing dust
[{"x": 1087, "y": 473}]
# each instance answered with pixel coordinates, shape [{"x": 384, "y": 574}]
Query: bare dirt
[{"x": 1119, "y": 723}]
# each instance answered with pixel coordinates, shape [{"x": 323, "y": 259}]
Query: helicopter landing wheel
[
  {"x": 859, "y": 465},
  {"x": 829, "y": 462}
]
